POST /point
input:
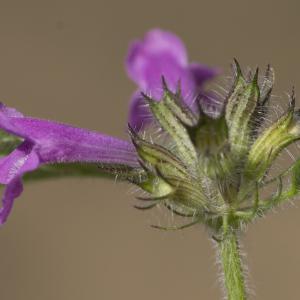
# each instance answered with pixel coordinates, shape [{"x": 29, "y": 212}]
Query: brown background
[{"x": 81, "y": 239}]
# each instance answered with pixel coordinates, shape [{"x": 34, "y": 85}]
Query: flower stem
[{"x": 232, "y": 267}]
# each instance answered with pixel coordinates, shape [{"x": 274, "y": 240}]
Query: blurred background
[{"x": 80, "y": 238}]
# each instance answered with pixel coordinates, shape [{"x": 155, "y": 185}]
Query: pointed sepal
[
  {"x": 272, "y": 141},
  {"x": 167, "y": 114}
]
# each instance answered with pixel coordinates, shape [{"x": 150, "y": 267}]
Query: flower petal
[
  {"x": 160, "y": 53},
  {"x": 12, "y": 191},
  {"x": 47, "y": 142},
  {"x": 155, "y": 44},
  {"x": 56, "y": 142},
  {"x": 12, "y": 167},
  {"x": 202, "y": 73},
  {"x": 139, "y": 113}
]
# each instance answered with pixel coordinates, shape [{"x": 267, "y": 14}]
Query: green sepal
[
  {"x": 157, "y": 156},
  {"x": 174, "y": 127},
  {"x": 266, "y": 87},
  {"x": 62, "y": 170},
  {"x": 237, "y": 89},
  {"x": 156, "y": 186},
  {"x": 262, "y": 108},
  {"x": 186, "y": 192},
  {"x": 176, "y": 104},
  {"x": 209, "y": 135},
  {"x": 271, "y": 142},
  {"x": 240, "y": 119},
  {"x": 180, "y": 210}
]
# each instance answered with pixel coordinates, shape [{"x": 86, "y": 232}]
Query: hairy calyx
[{"x": 217, "y": 165}]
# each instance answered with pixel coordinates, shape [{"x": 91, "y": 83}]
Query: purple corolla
[
  {"x": 161, "y": 53},
  {"x": 43, "y": 142},
  {"x": 48, "y": 142}
]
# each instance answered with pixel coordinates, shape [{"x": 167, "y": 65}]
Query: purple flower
[
  {"x": 44, "y": 142},
  {"x": 162, "y": 53},
  {"x": 48, "y": 142}
]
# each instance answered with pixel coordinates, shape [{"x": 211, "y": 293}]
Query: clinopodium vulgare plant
[{"x": 209, "y": 165}]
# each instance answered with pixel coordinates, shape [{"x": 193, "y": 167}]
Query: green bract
[{"x": 211, "y": 169}]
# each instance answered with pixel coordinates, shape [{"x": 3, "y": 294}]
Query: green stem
[{"x": 232, "y": 267}]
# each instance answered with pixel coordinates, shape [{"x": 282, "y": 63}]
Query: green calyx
[{"x": 212, "y": 169}]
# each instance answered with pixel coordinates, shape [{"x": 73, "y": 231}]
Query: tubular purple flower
[
  {"x": 48, "y": 142},
  {"x": 162, "y": 53},
  {"x": 42, "y": 142}
]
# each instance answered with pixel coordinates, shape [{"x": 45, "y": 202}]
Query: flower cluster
[
  {"x": 48, "y": 148},
  {"x": 209, "y": 168},
  {"x": 212, "y": 169}
]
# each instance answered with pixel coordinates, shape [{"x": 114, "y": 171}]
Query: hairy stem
[{"x": 232, "y": 267}]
